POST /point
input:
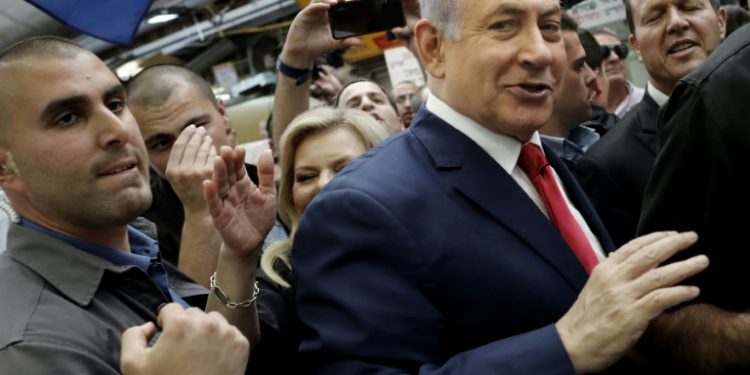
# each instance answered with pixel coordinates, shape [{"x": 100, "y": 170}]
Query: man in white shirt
[{"x": 623, "y": 95}]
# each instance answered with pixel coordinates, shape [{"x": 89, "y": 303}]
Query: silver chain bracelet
[{"x": 224, "y": 298}]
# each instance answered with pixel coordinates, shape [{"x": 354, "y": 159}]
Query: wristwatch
[{"x": 298, "y": 75}]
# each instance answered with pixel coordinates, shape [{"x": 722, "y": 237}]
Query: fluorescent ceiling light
[
  {"x": 163, "y": 15},
  {"x": 161, "y": 18}
]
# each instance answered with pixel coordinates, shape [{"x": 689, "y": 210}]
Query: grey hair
[{"x": 445, "y": 15}]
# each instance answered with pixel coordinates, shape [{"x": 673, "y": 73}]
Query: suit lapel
[
  {"x": 481, "y": 180},
  {"x": 647, "y": 124}
]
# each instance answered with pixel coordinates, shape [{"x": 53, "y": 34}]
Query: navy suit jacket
[{"x": 425, "y": 256}]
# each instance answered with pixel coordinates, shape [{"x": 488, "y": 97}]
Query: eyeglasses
[{"x": 621, "y": 50}]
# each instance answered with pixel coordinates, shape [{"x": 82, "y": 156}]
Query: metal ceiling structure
[
  {"x": 254, "y": 13},
  {"x": 19, "y": 20}
]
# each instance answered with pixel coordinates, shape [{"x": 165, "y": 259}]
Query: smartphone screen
[{"x": 358, "y": 17}]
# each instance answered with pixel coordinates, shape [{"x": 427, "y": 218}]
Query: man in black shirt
[{"x": 183, "y": 124}]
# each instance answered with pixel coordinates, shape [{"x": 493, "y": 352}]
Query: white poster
[
  {"x": 226, "y": 75},
  {"x": 403, "y": 66},
  {"x": 592, "y": 13}
]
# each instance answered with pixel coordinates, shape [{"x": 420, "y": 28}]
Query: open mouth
[
  {"x": 681, "y": 46},
  {"x": 119, "y": 169},
  {"x": 533, "y": 87}
]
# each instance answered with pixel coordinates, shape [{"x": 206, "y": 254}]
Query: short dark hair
[
  {"x": 629, "y": 13},
  {"x": 42, "y": 46},
  {"x": 387, "y": 95},
  {"x": 153, "y": 86},
  {"x": 594, "y": 54}
]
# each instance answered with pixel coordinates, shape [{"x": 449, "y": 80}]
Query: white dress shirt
[
  {"x": 505, "y": 151},
  {"x": 635, "y": 95},
  {"x": 659, "y": 97}
]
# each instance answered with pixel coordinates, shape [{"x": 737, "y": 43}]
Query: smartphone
[{"x": 359, "y": 17}]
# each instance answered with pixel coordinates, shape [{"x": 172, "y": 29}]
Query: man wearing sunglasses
[
  {"x": 671, "y": 38},
  {"x": 623, "y": 94}
]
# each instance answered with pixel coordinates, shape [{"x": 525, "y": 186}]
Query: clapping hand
[{"x": 242, "y": 212}]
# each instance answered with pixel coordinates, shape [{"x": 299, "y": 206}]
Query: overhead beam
[{"x": 254, "y": 13}]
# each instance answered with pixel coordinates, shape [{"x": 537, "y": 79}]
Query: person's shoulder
[
  {"x": 40, "y": 324},
  {"x": 21, "y": 303},
  {"x": 725, "y": 63},
  {"x": 391, "y": 159}
]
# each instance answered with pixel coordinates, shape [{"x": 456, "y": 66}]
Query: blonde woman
[{"x": 316, "y": 146}]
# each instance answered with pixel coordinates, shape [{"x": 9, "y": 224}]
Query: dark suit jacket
[
  {"x": 701, "y": 180},
  {"x": 615, "y": 170},
  {"x": 425, "y": 256}
]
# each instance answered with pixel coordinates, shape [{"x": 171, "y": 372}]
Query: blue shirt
[
  {"x": 573, "y": 147},
  {"x": 144, "y": 254}
]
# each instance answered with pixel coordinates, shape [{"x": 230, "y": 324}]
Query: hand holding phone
[{"x": 359, "y": 17}]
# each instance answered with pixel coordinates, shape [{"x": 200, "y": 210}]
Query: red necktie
[{"x": 536, "y": 166}]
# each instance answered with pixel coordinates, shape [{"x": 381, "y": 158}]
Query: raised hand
[
  {"x": 191, "y": 162},
  {"x": 192, "y": 342},
  {"x": 625, "y": 292},
  {"x": 310, "y": 36},
  {"x": 327, "y": 86},
  {"x": 412, "y": 14},
  {"x": 242, "y": 212}
]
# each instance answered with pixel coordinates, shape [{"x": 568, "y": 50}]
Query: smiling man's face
[{"x": 673, "y": 37}]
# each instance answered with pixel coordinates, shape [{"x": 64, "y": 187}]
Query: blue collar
[
  {"x": 142, "y": 247},
  {"x": 573, "y": 147},
  {"x": 144, "y": 254}
]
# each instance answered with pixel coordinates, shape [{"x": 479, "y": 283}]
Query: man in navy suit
[{"x": 433, "y": 253}]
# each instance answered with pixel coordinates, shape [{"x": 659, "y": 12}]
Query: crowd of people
[{"x": 529, "y": 211}]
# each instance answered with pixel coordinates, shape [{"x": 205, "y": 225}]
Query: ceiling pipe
[
  {"x": 254, "y": 13},
  {"x": 212, "y": 55},
  {"x": 98, "y": 46}
]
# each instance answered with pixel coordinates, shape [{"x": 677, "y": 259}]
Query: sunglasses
[{"x": 621, "y": 50}]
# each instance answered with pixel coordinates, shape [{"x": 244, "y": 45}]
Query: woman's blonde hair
[{"x": 316, "y": 121}]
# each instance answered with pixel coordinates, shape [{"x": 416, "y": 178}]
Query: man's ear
[
  {"x": 430, "y": 42},
  {"x": 722, "y": 14},
  {"x": 9, "y": 175},
  {"x": 227, "y": 123},
  {"x": 634, "y": 43}
]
